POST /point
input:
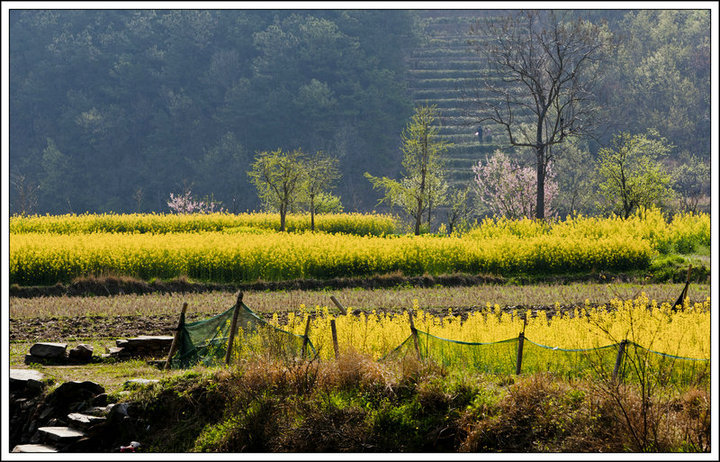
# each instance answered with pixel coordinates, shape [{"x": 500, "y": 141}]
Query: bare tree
[
  {"x": 322, "y": 171},
  {"x": 25, "y": 196},
  {"x": 542, "y": 69}
]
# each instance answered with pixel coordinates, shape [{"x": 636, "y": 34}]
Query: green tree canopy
[
  {"x": 279, "y": 178},
  {"x": 631, "y": 175}
]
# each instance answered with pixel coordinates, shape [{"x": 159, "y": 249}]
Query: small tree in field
[
  {"x": 631, "y": 174},
  {"x": 184, "y": 203},
  {"x": 322, "y": 171},
  {"x": 506, "y": 189},
  {"x": 423, "y": 186},
  {"x": 279, "y": 178}
]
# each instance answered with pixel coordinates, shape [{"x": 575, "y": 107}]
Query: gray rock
[
  {"x": 84, "y": 421},
  {"x": 47, "y": 412},
  {"x": 71, "y": 396},
  {"x": 99, "y": 411},
  {"x": 26, "y": 381},
  {"x": 31, "y": 448},
  {"x": 49, "y": 350},
  {"x": 119, "y": 409},
  {"x": 60, "y": 434},
  {"x": 81, "y": 353},
  {"x": 100, "y": 400}
]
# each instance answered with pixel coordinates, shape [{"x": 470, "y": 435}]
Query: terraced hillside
[{"x": 440, "y": 69}]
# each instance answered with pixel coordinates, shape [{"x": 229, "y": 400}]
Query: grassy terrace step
[
  {"x": 439, "y": 93},
  {"x": 442, "y": 73},
  {"x": 444, "y": 103},
  {"x": 444, "y": 80},
  {"x": 439, "y": 63},
  {"x": 450, "y": 40},
  {"x": 442, "y": 83},
  {"x": 466, "y": 152},
  {"x": 455, "y": 53},
  {"x": 447, "y": 62},
  {"x": 460, "y": 135}
]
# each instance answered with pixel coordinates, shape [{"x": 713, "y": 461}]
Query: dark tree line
[{"x": 112, "y": 110}]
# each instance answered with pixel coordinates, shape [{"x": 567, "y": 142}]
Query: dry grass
[
  {"x": 542, "y": 414},
  {"x": 380, "y": 299}
]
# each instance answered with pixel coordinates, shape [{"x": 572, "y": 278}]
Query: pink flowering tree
[
  {"x": 186, "y": 204},
  {"x": 506, "y": 189}
]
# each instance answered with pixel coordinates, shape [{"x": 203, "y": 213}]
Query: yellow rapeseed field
[
  {"x": 351, "y": 223},
  {"x": 229, "y": 257},
  {"x": 234, "y": 248}
]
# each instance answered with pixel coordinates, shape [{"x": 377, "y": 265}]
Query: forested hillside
[{"x": 114, "y": 110}]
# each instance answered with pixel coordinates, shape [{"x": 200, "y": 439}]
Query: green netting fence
[
  {"x": 626, "y": 360},
  {"x": 206, "y": 342}
]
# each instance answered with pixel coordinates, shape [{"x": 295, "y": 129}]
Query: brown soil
[
  {"x": 126, "y": 285},
  {"x": 64, "y": 329}
]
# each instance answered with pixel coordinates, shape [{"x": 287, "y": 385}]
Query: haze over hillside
[{"x": 113, "y": 110}]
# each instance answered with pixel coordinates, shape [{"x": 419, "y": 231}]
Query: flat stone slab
[
  {"x": 84, "y": 421},
  {"x": 149, "y": 340},
  {"x": 61, "y": 433},
  {"x": 23, "y": 380},
  {"x": 26, "y": 375},
  {"x": 99, "y": 411},
  {"x": 49, "y": 350},
  {"x": 33, "y": 448}
]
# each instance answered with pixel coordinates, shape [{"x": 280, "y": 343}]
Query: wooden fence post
[
  {"x": 334, "y": 338},
  {"x": 619, "y": 359},
  {"x": 338, "y": 304},
  {"x": 518, "y": 365},
  {"x": 414, "y": 334},
  {"x": 521, "y": 342},
  {"x": 680, "y": 303},
  {"x": 233, "y": 327},
  {"x": 306, "y": 339},
  {"x": 174, "y": 345}
]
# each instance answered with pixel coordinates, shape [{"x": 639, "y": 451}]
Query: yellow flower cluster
[
  {"x": 684, "y": 333},
  {"x": 683, "y": 232}
]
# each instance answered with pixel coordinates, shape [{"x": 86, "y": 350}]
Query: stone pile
[
  {"x": 144, "y": 346},
  {"x": 56, "y": 353},
  {"x": 74, "y": 417}
]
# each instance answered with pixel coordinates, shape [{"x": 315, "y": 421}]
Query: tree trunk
[
  {"x": 312, "y": 212},
  {"x": 540, "y": 207},
  {"x": 418, "y": 217},
  {"x": 429, "y": 211},
  {"x": 283, "y": 211}
]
